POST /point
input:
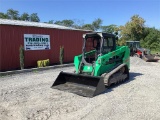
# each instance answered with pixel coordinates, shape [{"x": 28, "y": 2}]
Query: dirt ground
[{"x": 28, "y": 96}]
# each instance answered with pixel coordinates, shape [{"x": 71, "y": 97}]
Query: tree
[
  {"x": 51, "y": 21},
  {"x": 3, "y": 15},
  {"x": 78, "y": 23},
  {"x": 132, "y": 30},
  {"x": 34, "y": 17},
  {"x": 96, "y": 24},
  {"x": 67, "y": 23},
  {"x": 13, "y": 14},
  {"x": 77, "y": 26},
  {"x": 58, "y": 22},
  {"x": 110, "y": 28},
  {"x": 88, "y": 27},
  {"x": 25, "y": 16},
  {"x": 152, "y": 39}
]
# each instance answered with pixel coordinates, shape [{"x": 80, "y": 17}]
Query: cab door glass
[
  {"x": 110, "y": 42},
  {"x": 105, "y": 43}
]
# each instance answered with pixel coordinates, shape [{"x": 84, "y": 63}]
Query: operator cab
[
  {"x": 95, "y": 45},
  {"x": 134, "y": 44}
]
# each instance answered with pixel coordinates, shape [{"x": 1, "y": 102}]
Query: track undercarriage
[{"x": 117, "y": 75}]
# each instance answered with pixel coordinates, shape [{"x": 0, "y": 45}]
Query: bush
[
  {"x": 61, "y": 55},
  {"x": 21, "y": 56}
]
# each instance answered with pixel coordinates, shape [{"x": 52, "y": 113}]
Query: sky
[{"x": 116, "y": 12}]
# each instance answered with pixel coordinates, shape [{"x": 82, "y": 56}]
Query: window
[
  {"x": 110, "y": 42},
  {"x": 105, "y": 43}
]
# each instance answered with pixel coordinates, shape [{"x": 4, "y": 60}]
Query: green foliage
[
  {"x": 155, "y": 52},
  {"x": 96, "y": 24},
  {"x": 61, "y": 55},
  {"x": 151, "y": 39},
  {"x": 122, "y": 41},
  {"x": 3, "y": 15},
  {"x": 21, "y": 56},
  {"x": 25, "y": 16},
  {"x": 58, "y": 22},
  {"x": 34, "y": 17},
  {"x": 35, "y": 71},
  {"x": 88, "y": 27},
  {"x": 51, "y": 21},
  {"x": 134, "y": 28},
  {"x": 14, "y": 15},
  {"x": 67, "y": 23},
  {"x": 110, "y": 28},
  {"x": 78, "y": 24}
]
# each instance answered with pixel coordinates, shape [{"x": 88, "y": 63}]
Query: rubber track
[{"x": 114, "y": 76}]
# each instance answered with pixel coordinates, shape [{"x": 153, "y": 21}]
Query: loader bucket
[
  {"x": 150, "y": 58},
  {"x": 84, "y": 85}
]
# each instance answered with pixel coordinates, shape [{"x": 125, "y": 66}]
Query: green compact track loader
[{"x": 101, "y": 64}]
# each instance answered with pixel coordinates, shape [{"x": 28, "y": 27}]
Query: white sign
[{"x": 36, "y": 42}]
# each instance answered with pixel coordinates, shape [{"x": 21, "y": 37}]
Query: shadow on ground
[{"x": 133, "y": 75}]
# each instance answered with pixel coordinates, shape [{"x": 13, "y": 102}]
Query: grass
[
  {"x": 154, "y": 52},
  {"x": 35, "y": 71}
]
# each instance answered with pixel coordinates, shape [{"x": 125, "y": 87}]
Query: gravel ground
[{"x": 29, "y": 97}]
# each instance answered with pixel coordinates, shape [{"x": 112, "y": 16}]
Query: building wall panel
[{"x": 13, "y": 36}]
